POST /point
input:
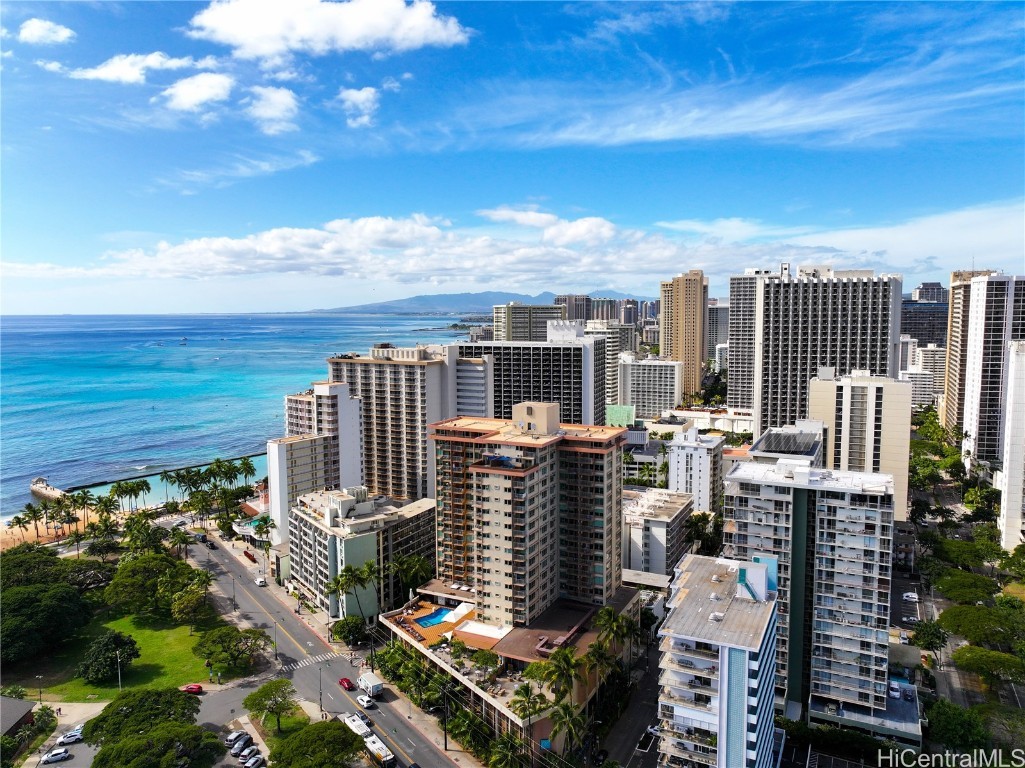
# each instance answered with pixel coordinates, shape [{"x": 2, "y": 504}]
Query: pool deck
[{"x": 427, "y": 635}]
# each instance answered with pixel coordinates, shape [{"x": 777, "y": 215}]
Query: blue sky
[{"x": 255, "y": 155}]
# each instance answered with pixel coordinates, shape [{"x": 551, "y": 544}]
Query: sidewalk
[{"x": 72, "y": 714}]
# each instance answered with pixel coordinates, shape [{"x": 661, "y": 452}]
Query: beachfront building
[
  {"x": 718, "y": 641},
  {"x": 654, "y": 536},
  {"x": 695, "y": 468},
  {"x": 868, "y": 426},
  {"x": 832, "y": 534},
  {"x": 650, "y": 384},
  {"x": 1011, "y": 477},
  {"x": 322, "y": 449},
  {"x": 401, "y": 393},
  {"x": 525, "y": 322},
  {"x": 328, "y": 530},
  {"x": 785, "y": 326},
  {"x": 683, "y": 306}
]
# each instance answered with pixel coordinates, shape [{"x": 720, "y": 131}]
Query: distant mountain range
[{"x": 461, "y": 303}]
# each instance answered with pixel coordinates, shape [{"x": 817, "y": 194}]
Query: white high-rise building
[
  {"x": 525, "y": 322},
  {"x": 868, "y": 426},
  {"x": 923, "y": 386},
  {"x": 996, "y": 316},
  {"x": 955, "y": 371},
  {"x": 908, "y": 346},
  {"x": 695, "y": 467},
  {"x": 832, "y": 533},
  {"x": 322, "y": 448},
  {"x": 618, "y": 338},
  {"x": 1011, "y": 478},
  {"x": 785, "y": 326},
  {"x": 652, "y": 385},
  {"x": 933, "y": 359},
  {"x": 715, "y": 696}
]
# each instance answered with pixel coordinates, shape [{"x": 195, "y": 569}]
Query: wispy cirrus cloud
[
  {"x": 236, "y": 168},
  {"x": 43, "y": 32},
  {"x": 593, "y": 253}
]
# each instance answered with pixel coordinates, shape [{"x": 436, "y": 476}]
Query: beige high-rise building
[
  {"x": 682, "y": 319},
  {"x": 529, "y": 510},
  {"x": 868, "y": 426},
  {"x": 525, "y": 322},
  {"x": 952, "y": 410}
]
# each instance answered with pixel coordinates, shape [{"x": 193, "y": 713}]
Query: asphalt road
[{"x": 305, "y": 658}]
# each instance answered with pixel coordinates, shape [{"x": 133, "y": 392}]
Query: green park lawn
[
  {"x": 166, "y": 660},
  {"x": 291, "y": 722},
  {"x": 1015, "y": 589}
]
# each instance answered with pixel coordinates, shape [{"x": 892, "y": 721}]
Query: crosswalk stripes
[{"x": 308, "y": 661}]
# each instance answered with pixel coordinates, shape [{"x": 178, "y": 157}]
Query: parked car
[
  {"x": 243, "y": 741},
  {"x": 193, "y": 688},
  {"x": 250, "y": 751},
  {"x": 232, "y": 737},
  {"x": 904, "y": 639},
  {"x": 910, "y": 597},
  {"x": 365, "y": 701},
  {"x": 260, "y": 581},
  {"x": 71, "y": 737},
  {"x": 210, "y": 544},
  {"x": 910, "y": 619},
  {"x": 56, "y": 756},
  {"x": 256, "y": 761},
  {"x": 655, "y": 730},
  {"x": 894, "y": 690},
  {"x": 347, "y": 684},
  {"x": 249, "y": 555},
  {"x": 909, "y": 695},
  {"x": 598, "y": 758},
  {"x": 365, "y": 720}
]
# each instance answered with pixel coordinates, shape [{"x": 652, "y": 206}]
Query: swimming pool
[{"x": 437, "y": 616}]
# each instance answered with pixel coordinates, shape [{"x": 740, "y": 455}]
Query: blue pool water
[{"x": 437, "y": 616}]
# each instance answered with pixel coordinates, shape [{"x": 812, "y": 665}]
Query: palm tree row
[{"x": 220, "y": 473}]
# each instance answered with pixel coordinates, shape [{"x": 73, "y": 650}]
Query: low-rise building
[{"x": 654, "y": 534}]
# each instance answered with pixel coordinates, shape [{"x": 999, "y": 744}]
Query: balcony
[
  {"x": 692, "y": 702},
  {"x": 688, "y": 666},
  {"x": 670, "y": 645},
  {"x": 670, "y": 746}
]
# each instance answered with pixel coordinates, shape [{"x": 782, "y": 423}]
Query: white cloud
[
  {"x": 273, "y": 109},
  {"x": 530, "y": 217},
  {"x": 273, "y": 30},
  {"x": 50, "y": 66},
  {"x": 132, "y": 67},
  {"x": 240, "y": 167},
  {"x": 360, "y": 104},
  {"x": 191, "y": 93},
  {"x": 390, "y": 84},
  {"x": 43, "y": 32},
  {"x": 419, "y": 250},
  {"x": 732, "y": 229}
]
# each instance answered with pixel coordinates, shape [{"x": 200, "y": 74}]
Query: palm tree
[
  {"x": 18, "y": 522},
  {"x": 526, "y": 705},
  {"x": 167, "y": 477},
  {"x": 76, "y": 538},
  {"x": 566, "y": 719},
  {"x": 33, "y": 514},
  {"x": 247, "y": 469},
  {"x": 351, "y": 579},
  {"x": 119, "y": 491},
  {"x": 561, "y": 671},
  {"x": 646, "y": 471},
  {"x": 599, "y": 661},
  {"x": 180, "y": 539},
  {"x": 83, "y": 500},
  {"x": 412, "y": 570},
  {"x": 506, "y": 751}
]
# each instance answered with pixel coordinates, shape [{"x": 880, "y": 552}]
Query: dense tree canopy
[
  {"x": 956, "y": 727},
  {"x": 991, "y": 666},
  {"x": 38, "y": 617},
  {"x": 319, "y": 745},
  {"x": 983, "y": 625},
  {"x": 231, "y": 647},
  {"x": 135, "y": 712},
  {"x": 966, "y": 587},
  {"x": 181, "y": 745},
  {"x": 107, "y": 654},
  {"x": 147, "y": 583}
]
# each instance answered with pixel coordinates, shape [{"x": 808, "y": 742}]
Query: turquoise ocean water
[{"x": 86, "y": 400}]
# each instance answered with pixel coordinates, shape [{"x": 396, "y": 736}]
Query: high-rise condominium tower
[
  {"x": 529, "y": 510},
  {"x": 832, "y": 534},
  {"x": 717, "y": 326},
  {"x": 996, "y": 316},
  {"x": 578, "y": 307},
  {"x": 1011, "y": 478},
  {"x": 868, "y": 426},
  {"x": 952, "y": 411},
  {"x": 525, "y": 322},
  {"x": 683, "y": 314},
  {"x": 784, "y": 327}
]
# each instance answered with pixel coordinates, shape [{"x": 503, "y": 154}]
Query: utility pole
[{"x": 444, "y": 724}]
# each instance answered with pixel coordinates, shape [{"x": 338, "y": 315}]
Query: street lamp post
[
  {"x": 40, "y": 684},
  {"x": 275, "y": 639},
  {"x": 234, "y": 604},
  {"x": 118, "y": 654}
]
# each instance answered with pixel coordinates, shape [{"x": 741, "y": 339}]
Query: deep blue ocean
[{"x": 91, "y": 399}]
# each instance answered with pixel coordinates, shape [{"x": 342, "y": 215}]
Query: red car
[
  {"x": 347, "y": 684},
  {"x": 193, "y": 688}
]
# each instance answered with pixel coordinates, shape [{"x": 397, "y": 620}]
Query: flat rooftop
[
  {"x": 790, "y": 473},
  {"x": 656, "y": 503},
  {"x": 706, "y": 586},
  {"x": 901, "y": 716},
  {"x": 791, "y": 443},
  {"x": 508, "y": 431}
]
